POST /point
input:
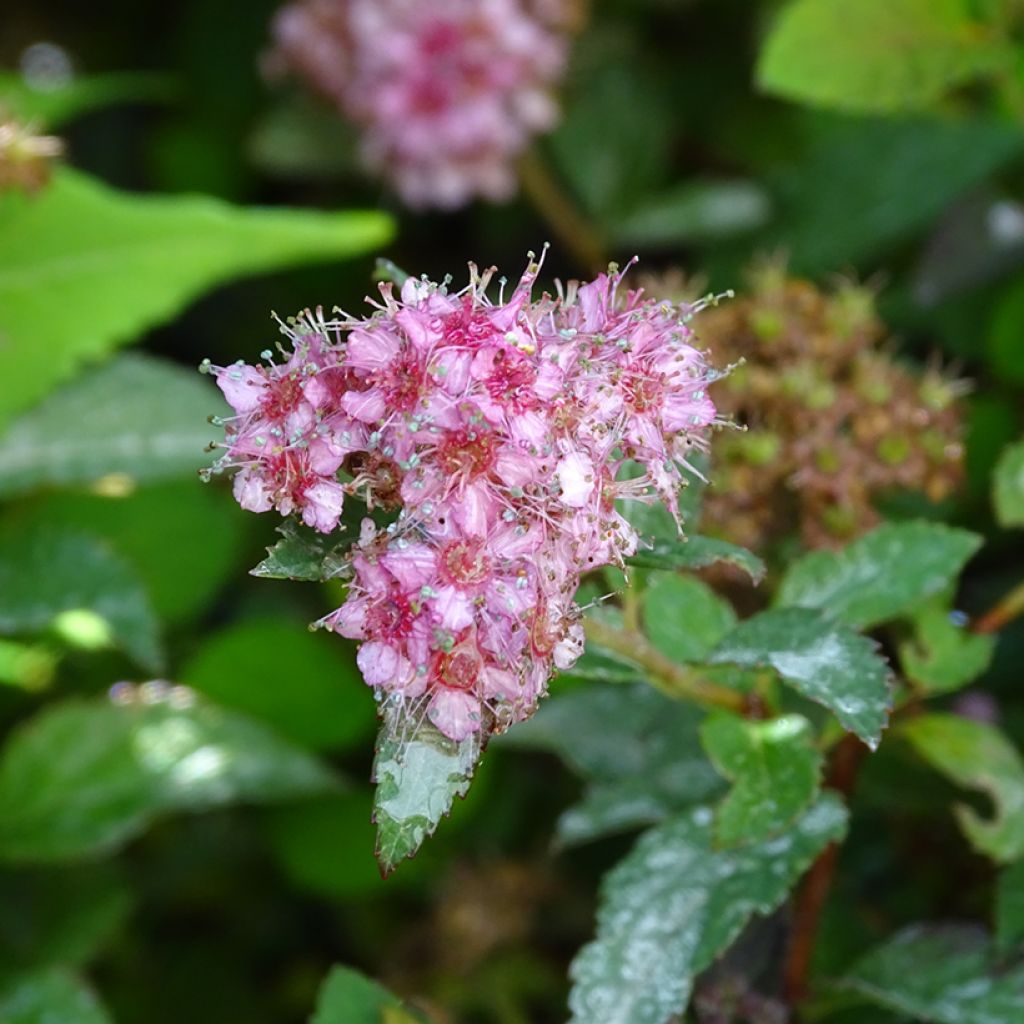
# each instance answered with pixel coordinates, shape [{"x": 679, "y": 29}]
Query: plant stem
[
  {"x": 558, "y": 210},
  {"x": 813, "y": 893},
  {"x": 1002, "y": 613},
  {"x": 669, "y": 677}
]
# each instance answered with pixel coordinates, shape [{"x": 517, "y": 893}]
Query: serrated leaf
[
  {"x": 821, "y": 659},
  {"x": 943, "y": 655},
  {"x": 1009, "y": 911},
  {"x": 83, "y": 777},
  {"x": 138, "y": 416},
  {"x": 84, "y": 269},
  {"x": 348, "y": 997},
  {"x": 675, "y": 902},
  {"x": 1008, "y": 486},
  {"x": 419, "y": 772},
  {"x": 54, "y": 996},
  {"x": 882, "y": 575},
  {"x": 876, "y": 56},
  {"x": 696, "y": 552},
  {"x": 46, "y": 573},
  {"x": 638, "y": 751},
  {"x": 775, "y": 768},
  {"x": 303, "y": 554},
  {"x": 940, "y": 974},
  {"x": 683, "y": 617},
  {"x": 977, "y": 756}
]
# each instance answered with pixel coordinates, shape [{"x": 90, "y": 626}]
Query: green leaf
[
  {"x": 776, "y": 770},
  {"x": 675, "y": 902},
  {"x": 303, "y": 554},
  {"x": 137, "y": 416},
  {"x": 305, "y": 685},
  {"x": 84, "y": 269},
  {"x": 54, "y": 996},
  {"x": 638, "y": 751},
  {"x": 348, "y": 997},
  {"x": 822, "y": 660},
  {"x": 697, "y": 552},
  {"x": 880, "y": 576},
  {"x": 695, "y": 212},
  {"x": 83, "y": 777},
  {"x": 1008, "y": 486},
  {"x": 876, "y": 56},
  {"x": 683, "y": 616},
  {"x": 942, "y": 975},
  {"x": 1010, "y": 907},
  {"x": 943, "y": 655},
  {"x": 977, "y": 756},
  {"x": 184, "y": 539},
  {"x": 418, "y": 772},
  {"x": 50, "y": 576},
  {"x": 59, "y": 916},
  {"x": 53, "y": 107}
]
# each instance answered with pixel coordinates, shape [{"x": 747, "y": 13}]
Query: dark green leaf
[
  {"x": 683, "y": 616},
  {"x": 675, "y": 902},
  {"x": 822, "y": 660},
  {"x": 978, "y": 756},
  {"x": 305, "y": 685},
  {"x": 142, "y": 418},
  {"x": 418, "y": 772},
  {"x": 942, "y": 975},
  {"x": 1010, "y": 907},
  {"x": 943, "y": 655},
  {"x": 880, "y": 576},
  {"x": 697, "y": 552},
  {"x": 638, "y": 751},
  {"x": 348, "y": 997},
  {"x": 50, "y": 997},
  {"x": 302, "y": 554},
  {"x": 60, "y": 250},
  {"x": 876, "y": 56},
  {"x": 54, "y": 106},
  {"x": 776, "y": 770},
  {"x": 83, "y": 777},
  {"x": 698, "y": 211},
  {"x": 1008, "y": 486},
  {"x": 48, "y": 574}
]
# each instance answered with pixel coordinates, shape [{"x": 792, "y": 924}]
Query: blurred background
[{"x": 871, "y": 222}]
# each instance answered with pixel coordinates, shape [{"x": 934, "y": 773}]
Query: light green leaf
[
  {"x": 683, "y": 616},
  {"x": 348, "y": 997},
  {"x": 977, "y": 756},
  {"x": 141, "y": 417},
  {"x": 824, "y": 661},
  {"x": 1008, "y": 486},
  {"x": 53, "y": 996},
  {"x": 943, "y": 655},
  {"x": 53, "y": 107},
  {"x": 304, "y": 685},
  {"x": 675, "y": 902},
  {"x": 941, "y": 975},
  {"x": 48, "y": 576},
  {"x": 84, "y": 269},
  {"x": 776, "y": 770},
  {"x": 695, "y": 552},
  {"x": 638, "y": 752},
  {"x": 303, "y": 554},
  {"x": 1010, "y": 907},
  {"x": 83, "y": 777},
  {"x": 695, "y": 212},
  {"x": 876, "y": 56},
  {"x": 880, "y": 576},
  {"x": 418, "y": 772}
]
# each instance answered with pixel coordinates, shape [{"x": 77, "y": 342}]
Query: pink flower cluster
[
  {"x": 496, "y": 432},
  {"x": 446, "y": 93}
]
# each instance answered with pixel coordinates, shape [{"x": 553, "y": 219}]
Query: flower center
[{"x": 464, "y": 563}]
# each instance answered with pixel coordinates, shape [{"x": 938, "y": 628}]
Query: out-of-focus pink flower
[
  {"x": 499, "y": 433},
  {"x": 446, "y": 93}
]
